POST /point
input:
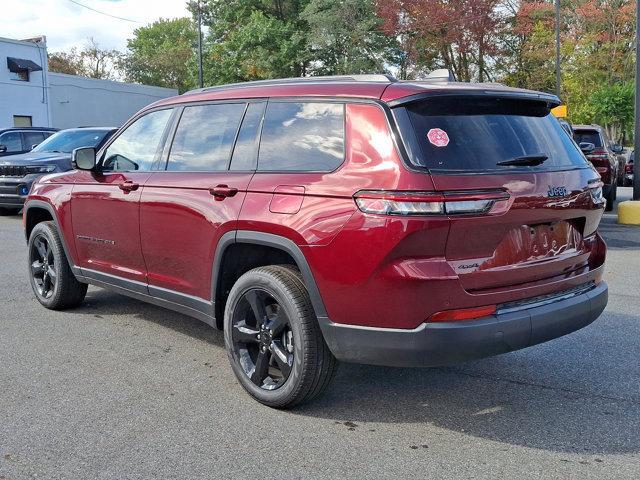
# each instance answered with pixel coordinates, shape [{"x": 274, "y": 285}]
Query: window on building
[
  {"x": 22, "y": 121},
  {"x": 21, "y": 68}
]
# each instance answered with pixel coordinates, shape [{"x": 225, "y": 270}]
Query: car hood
[{"x": 61, "y": 160}]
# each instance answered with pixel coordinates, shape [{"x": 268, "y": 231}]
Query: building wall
[
  {"x": 78, "y": 101},
  {"x": 23, "y": 98}
]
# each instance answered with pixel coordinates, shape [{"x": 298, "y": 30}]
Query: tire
[
  {"x": 299, "y": 365},
  {"x": 610, "y": 198},
  {"x": 53, "y": 283},
  {"x": 4, "y": 211}
]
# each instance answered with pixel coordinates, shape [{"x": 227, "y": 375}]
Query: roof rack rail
[{"x": 368, "y": 77}]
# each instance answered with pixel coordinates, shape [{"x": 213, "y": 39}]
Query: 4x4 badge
[{"x": 557, "y": 191}]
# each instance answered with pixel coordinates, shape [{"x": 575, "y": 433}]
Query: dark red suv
[{"x": 359, "y": 219}]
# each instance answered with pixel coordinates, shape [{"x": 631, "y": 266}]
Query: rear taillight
[
  {"x": 595, "y": 189},
  {"x": 628, "y": 168},
  {"x": 463, "y": 314},
  {"x": 427, "y": 203}
]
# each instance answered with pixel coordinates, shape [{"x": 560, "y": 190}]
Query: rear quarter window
[
  {"x": 305, "y": 136},
  {"x": 466, "y": 133}
]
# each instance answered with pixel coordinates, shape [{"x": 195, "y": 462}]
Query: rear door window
[
  {"x": 589, "y": 136},
  {"x": 204, "y": 137},
  {"x": 305, "y": 136},
  {"x": 246, "y": 149},
  {"x": 465, "y": 133}
]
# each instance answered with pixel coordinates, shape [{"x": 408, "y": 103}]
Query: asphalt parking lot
[{"x": 118, "y": 389}]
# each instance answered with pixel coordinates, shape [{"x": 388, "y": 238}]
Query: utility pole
[
  {"x": 558, "y": 79},
  {"x": 199, "y": 6},
  {"x": 636, "y": 135}
]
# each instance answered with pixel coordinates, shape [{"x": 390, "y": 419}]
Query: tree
[
  {"x": 455, "y": 34},
  {"x": 254, "y": 39},
  {"x": 163, "y": 54},
  {"x": 91, "y": 61},
  {"x": 345, "y": 37}
]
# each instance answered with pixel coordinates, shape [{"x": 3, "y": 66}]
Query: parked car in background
[
  {"x": 355, "y": 218},
  {"x": 18, "y": 172},
  {"x": 628, "y": 171},
  {"x": 14, "y": 141},
  {"x": 603, "y": 154}
]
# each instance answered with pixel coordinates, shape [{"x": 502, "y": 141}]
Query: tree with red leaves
[{"x": 454, "y": 34}]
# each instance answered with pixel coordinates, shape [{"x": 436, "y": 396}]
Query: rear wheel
[
  {"x": 273, "y": 339},
  {"x": 52, "y": 280}
]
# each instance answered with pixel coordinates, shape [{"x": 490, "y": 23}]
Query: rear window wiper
[{"x": 525, "y": 160}]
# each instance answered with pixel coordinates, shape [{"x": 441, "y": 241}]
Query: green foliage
[
  {"x": 90, "y": 61},
  {"x": 163, "y": 54},
  {"x": 345, "y": 37},
  {"x": 613, "y": 107}
]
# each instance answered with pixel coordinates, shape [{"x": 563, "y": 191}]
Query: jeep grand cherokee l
[
  {"x": 18, "y": 172},
  {"x": 358, "y": 219}
]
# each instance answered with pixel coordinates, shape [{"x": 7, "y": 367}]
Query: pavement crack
[{"x": 541, "y": 386}]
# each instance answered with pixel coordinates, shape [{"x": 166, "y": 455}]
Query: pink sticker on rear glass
[{"x": 438, "y": 137}]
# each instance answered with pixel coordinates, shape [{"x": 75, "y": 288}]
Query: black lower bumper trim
[{"x": 435, "y": 344}]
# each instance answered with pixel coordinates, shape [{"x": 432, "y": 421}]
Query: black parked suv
[
  {"x": 14, "y": 141},
  {"x": 18, "y": 172}
]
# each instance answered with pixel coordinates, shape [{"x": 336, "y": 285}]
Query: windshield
[
  {"x": 467, "y": 133},
  {"x": 68, "y": 140}
]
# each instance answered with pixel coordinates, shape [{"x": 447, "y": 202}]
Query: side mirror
[
  {"x": 3, "y": 149},
  {"x": 616, "y": 148},
  {"x": 84, "y": 158},
  {"x": 587, "y": 147}
]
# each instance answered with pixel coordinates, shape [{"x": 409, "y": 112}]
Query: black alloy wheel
[
  {"x": 262, "y": 339},
  {"x": 43, "y": 267}
]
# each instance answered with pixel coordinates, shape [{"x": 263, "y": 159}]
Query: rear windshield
[
  {"x": 475, "y": 134},
  {"x": 590, "y": 136}
]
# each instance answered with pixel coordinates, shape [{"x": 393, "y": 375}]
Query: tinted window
[
  {"x": 32, "y": 138},
  {"x": 473, "y": 134},
  {"x": 244, "y": 153},
  {"x": 590, "y": 136},
  {"x": 205, "y": 136},
  {"x": 302, "y": 137},
  {"x": 68, "y": 140},
  {"x": 12, "y": 141},
  {"x": 139, "y": 145}
]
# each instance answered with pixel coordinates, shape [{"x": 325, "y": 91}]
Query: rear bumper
[{"x": 434, "y": 344}]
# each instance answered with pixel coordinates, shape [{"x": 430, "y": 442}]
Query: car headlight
[{"x": 41, "y": 168}]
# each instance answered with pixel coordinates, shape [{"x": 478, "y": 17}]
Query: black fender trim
[
  {"x": 282, "y": 243},
  {"x": 31, "y": 204},
  {"x": 288, "y": 246}
]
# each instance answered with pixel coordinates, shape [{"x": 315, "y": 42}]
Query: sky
[{"x": 66, "y": 24}]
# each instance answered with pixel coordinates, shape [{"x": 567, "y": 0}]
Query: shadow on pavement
[{"x": 484, "y": 399}]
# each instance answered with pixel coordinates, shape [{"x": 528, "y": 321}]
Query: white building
[{"x": 31, "y": 96}]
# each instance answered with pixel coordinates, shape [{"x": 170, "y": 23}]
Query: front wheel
[
  {"x": 273, "y": 339},
  {"x": 51, "y": 278}
]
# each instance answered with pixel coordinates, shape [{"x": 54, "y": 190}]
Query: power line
[{"x": 103, "y": 13}]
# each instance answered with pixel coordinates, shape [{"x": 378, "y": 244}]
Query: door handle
[
  {"x": 128, "y": 186},
  {"x": 220, "y": 192}
]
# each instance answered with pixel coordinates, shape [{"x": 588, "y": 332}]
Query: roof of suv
[
  {"x": 35, "y": 129},
  {"x": 375, "y": 87},
  {"x": 588, "y": 127}
]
